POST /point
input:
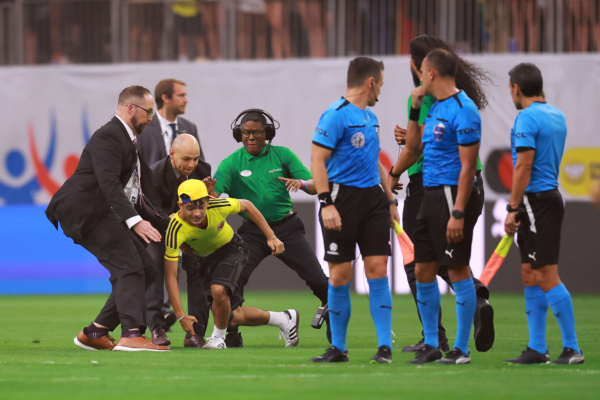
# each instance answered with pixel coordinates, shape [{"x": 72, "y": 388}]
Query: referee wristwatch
[
  {"x": 392, "y": 173},
  {"x": 510, "y": 209},
  {"x": 458, "y": 214}
]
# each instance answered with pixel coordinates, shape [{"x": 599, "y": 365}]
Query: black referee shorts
[
  {"x": 541, "y": 216},
  {"x": 432, "y": 221},
  {"x": 365, "y": 217},
  {"x": 223, "y": 267}
]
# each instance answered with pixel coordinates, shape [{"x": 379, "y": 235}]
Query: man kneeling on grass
[{"x": 221, "y": 255}]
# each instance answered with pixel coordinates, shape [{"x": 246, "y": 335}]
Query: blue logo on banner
[{"x": 16, "y": 163}]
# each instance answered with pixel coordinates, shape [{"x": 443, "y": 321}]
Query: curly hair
[{"x": 469, "y": 77}]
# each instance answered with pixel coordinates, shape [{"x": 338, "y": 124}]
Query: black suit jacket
[
  {"x": 165, "y": 182},
  {"x": 151, "y": 143},
  {"x": 95, "y": 190}
]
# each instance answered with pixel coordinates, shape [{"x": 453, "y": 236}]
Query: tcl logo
[
  {"x": 466, "y": 131},
  {"x": 321, "y": 132}
]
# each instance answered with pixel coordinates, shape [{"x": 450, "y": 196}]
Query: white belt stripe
[
  {"x": 529, "y": 213},
  {"x": 448, "y": 193},
  {"x": 334, "y": 192}
]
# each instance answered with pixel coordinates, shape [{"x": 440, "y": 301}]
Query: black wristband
[
  {"x": 394, "y": 202},
  {"x": 392, "y": 174},
  {"x": 510, "y": 209},
  {"x": 415, "y": 113},
  {"x": 325, "y": 199}
]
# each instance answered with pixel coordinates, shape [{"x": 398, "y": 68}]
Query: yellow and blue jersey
[{"x": 203, "y": 240}]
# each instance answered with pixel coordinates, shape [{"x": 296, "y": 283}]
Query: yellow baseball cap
[{"x": 192, "y": 190}]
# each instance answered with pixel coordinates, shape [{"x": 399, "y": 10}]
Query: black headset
[{"x": 270, "y": 130}]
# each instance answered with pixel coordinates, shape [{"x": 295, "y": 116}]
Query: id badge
[{"x": 134, "y": 194}]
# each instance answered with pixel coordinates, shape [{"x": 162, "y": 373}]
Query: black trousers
[
  {"x": 298, "y": 254},
  {"x": 131, "y": 268},
  {"x": 197, "y": 304},
  {"x": 412, "y": 203}
]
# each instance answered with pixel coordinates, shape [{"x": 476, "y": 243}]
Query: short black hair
[
  {"x": 443, "y": 61},
  {"x": 255, "y": 117},
  {"x": 529, "y": 79},
  {"x": 362, "y": 68},
  {"x": 132, "y": 92}
]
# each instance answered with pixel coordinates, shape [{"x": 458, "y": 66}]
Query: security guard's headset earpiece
[{"x": 270, "y": 131}]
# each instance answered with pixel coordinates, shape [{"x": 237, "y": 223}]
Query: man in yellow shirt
[{"x": 201, "y": 226}]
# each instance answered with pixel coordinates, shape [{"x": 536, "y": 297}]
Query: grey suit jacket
[{"x": 151, "y": 144}]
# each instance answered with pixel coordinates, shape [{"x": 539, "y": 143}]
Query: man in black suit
[
  {"x": 182, "y": 163},
  {"x": 154, "y": 145},
  {"x": 171, "y": 100},
  {"x": 106, "y": 200}
]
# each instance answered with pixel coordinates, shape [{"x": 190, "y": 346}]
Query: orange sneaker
[
  {"x": 140, "y": 343},
  {"x": 105, "y": 342}
]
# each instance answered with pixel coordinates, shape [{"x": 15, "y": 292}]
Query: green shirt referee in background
[
  {"x": 468, "y": 78},
  {"x": 264, "y": 174}
]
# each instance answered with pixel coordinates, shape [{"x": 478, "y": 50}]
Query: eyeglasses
[
  {"x": 256, "y": 134},
  {"x": 148, "y": 112}
]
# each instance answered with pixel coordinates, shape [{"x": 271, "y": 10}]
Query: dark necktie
[
  {"x": 139, "y": 178},
  {"x": 174, "y": 131},
  {"x": 181, "y": 179}
]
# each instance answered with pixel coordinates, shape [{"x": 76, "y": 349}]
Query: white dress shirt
[
  {"x": 166, "y": 132},
  {"x": 133, "y": 220}
]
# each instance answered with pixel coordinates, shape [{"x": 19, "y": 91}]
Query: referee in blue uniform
[
  {"x": 538, "y": 141},
  {"x": 356, "y": 206},
  {"x": 451, "y": 203}
]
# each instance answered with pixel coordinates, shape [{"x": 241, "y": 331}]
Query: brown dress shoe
[
  {"x": 105, "y": 342},
  {"x": 159, "y": 337},
  {"x": 195, "y": 341},
  {"x": 140, "y": 343}
]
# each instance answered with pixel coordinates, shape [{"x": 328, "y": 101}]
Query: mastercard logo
[
  {"x": 499, "y": 170},
  {"x": 579, "y": 170}
]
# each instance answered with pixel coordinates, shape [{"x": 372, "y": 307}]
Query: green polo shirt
[
  {"x": 256, "y": 178},
  {"x": 428, "y": 101}
]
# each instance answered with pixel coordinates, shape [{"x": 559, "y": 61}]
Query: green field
[{"x": 39, "y": 360}]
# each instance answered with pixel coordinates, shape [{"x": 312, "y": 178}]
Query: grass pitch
[{"x": 39, "y": 360}]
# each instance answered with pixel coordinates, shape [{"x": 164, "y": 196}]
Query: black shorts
[
  {"x": 432, "y": 221},
  {"x": 365, "y": 217},
  {"x": 223, "y": 267},
  {"x": 188, "y": 26},
  {"x": 541, "y": 216}
]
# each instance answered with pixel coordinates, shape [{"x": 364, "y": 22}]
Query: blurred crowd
[{"x": 92, "y": 31}]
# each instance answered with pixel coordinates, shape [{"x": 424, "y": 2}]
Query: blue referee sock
[
  {"x": 428, "y": 301},
  {"x": 559, "y": 299},
  {"x": 380, "y": 302},
  {"x": 338, "y": 299},
  {"x": 466, "y": 301},
  {"x": 536, "y": 307}
]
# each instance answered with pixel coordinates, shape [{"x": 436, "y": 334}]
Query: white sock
[
  {"x": 278, "y": 319},
  {"x": 219, "y": 332}
]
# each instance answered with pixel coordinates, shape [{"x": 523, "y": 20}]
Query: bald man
[{"x": 183, "y": 162}]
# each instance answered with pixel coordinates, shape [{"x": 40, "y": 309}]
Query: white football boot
[
  {"x": 215, "y": 343},
  {"x": 290, "y": 332}
]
